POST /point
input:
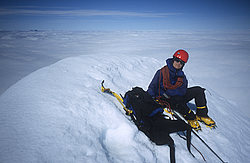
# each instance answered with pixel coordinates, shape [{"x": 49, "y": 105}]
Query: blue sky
[{"x": 125, "y": 15}]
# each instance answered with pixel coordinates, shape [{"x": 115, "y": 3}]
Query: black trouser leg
[
  {"x": 197, "y": 93},
  {"x": 179, "y": 104}
]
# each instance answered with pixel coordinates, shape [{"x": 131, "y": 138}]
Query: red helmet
[{"x": 181, "y": 54}]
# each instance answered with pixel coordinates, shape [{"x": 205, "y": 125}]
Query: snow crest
[{"x": 59, "y": 114}]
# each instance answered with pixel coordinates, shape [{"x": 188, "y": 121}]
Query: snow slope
[
  {"x": 219, "y": 60},
  {"x": 59, "y": 114}
]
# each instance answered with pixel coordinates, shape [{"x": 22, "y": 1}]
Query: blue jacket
[{"x": 153, "y": 88}]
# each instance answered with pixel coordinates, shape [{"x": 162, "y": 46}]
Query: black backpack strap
[
  {"x": 172, "y": 149},
  {"x": 172, "y": 154},
  {"x": 188, "y": 139}
]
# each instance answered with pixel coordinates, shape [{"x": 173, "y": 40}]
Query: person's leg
[
  {"x": 179, "y": 104},
  {"x": 197, "y": 93}
]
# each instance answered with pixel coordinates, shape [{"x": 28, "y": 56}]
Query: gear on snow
[{"x": 147, "y": 115}]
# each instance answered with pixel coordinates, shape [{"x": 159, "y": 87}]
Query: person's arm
[{"x": 153, "y": 86}]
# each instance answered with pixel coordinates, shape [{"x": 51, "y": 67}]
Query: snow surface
[{"x": 59, "y": 114}]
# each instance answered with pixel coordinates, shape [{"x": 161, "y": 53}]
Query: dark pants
[{"x": 179, "y": 103}]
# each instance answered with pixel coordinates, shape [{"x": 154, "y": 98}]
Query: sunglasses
[{"x": 179, "y": 60}]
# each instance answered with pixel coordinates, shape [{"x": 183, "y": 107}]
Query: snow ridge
[{"x": 59, "y": 114}]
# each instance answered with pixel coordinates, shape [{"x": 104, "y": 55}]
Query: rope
[{"x": 165, "y": 105}]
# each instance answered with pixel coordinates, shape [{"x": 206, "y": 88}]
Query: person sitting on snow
[{"x": 170, "y": 84}]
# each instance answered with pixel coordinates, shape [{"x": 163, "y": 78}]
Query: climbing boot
[
  {"x": 207, "y": 121},
  {"x": 194, "y": 124}
]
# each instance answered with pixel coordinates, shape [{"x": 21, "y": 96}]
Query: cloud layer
[{"x": 75, "y": 12}]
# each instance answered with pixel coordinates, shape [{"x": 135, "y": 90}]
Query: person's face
[{"x": 178, "y": 64}]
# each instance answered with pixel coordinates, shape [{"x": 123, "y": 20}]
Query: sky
[{"x": 125, "y": 15}]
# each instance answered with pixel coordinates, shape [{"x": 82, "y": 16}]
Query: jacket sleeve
[{"x": 153, "y": 86}]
